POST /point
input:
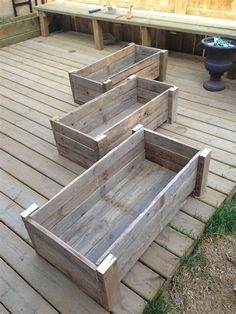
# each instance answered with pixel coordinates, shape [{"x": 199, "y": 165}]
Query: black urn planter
[{"x": 218, "y": 60}]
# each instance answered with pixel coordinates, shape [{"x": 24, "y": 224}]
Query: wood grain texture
[
  {"x": 49, "y": 58},
  {"x": 116, "y": 68},
  {"x": 88, "y": 133},
  {"x": 115, "y": 223}
]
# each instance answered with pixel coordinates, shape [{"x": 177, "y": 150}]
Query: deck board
[{"x": 34, "y": 86}]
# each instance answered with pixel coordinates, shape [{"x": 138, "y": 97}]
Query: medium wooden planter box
[
  {"x": 19, "y": 29},
  {"x": 96, "y": 228},
  {"x": 99, "y": 77},
  {"x": 89, "y": 132}
]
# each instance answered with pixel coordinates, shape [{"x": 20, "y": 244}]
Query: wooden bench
[{"x": 144, "y": 19}]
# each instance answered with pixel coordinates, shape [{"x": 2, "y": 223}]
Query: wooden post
[
  {"x": 107, "y": 273},
  {"x": 25, "y": 215},
  {"x": 145, "y": 35},
  {"x": 172, "y": 105},
  {"x": 163, "y": 65},
  {"x": 202, "y": 172},
  {"x": 107, "y": 85},
  {"x": 98, "y": 35},
  {"x": 102, "y": 145},
  {"x": 137, "y": 128},
  {"x": 44, "y": 23}
]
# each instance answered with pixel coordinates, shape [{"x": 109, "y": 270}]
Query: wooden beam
[
  {"x": 173, "y": 99},
  {"x": 44, "y": 23},
  {"x": 163, "y": 65},
  {"x": 107, "y": 273},
  {"x": 202, "y": 172},
  {"x": 98, "y": 35},
  {"x": 145, "y": 35}
]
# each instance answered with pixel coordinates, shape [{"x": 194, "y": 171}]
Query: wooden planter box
[
  {"x": 99, "y": 77},
  {"x": 89, "y": 132},
  {"x": 19, "y": 29},
  {"x": 96, "y": 228}
]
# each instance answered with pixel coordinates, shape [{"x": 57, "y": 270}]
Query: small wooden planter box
[
  {"x": 97, "y": 227},
  {"x": 89, "y": 132},
  {"x": 19, "y": 29},
  {"x": 99, "y": 77}
]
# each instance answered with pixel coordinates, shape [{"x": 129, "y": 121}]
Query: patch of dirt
[{"x": 210, "y": 288}]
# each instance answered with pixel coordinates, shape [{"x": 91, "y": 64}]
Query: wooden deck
[{"x": 34, "y": 86}]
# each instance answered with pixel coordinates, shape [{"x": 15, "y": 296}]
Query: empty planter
[
  {"x": 96, "y": 228},
  {"x": 89, "y": 132},
  {"x": 97, "y": 78}
]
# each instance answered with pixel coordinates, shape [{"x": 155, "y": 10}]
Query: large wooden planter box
[
  {"x": 89, "y": 132},
  {"x": 19, "y": 29},
  {"x": 99, "y": 77},
  {"x": 97, "y": 227}
]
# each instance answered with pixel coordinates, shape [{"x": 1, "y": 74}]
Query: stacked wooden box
[{"x": 97, "y": 227}]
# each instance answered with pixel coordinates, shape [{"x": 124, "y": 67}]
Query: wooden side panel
[
  {"x": 74, "y": 265},
  {"x": 94, "y": 106},
  {"x": 19, "y": 30},
  {"x": 145, "y": 64},
  {"x": 139, "y": 235},
  {"x": 82, "y": 187},
  {"x": 168, "y": 143},
  {"x": 84, "y": 89},
  {"x": 155, "y": 107}
]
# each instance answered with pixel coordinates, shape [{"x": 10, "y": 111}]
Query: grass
[
  {"x": 195, "y": 260},
  {"x": 223, "y": 222},
  {"x": 159, "y": 306}
]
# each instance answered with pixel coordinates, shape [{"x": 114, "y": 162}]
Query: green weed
[
  {"x": 159, "y": 306},
  {"x": 223, "y": 222}
]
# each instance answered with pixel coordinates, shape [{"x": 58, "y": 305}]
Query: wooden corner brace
[
  {"x": 102, "y": 145},
  {"x": 172, "y": 104},
  {"x": 137, "y": 128},
  {"x": 163, "y": 65},
  {"x": 202, "y": 172},
  {"x": 26, "y": 213},
  {"x": 107, "y": 273}
]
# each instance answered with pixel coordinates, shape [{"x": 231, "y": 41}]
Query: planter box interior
[
  {"x": 97, "y": 78},
  {"x": 97, "y": 227},
  {"x": 89, "y": 132}
]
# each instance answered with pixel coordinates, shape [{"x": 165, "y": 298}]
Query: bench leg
[
  {"x": 44, "y": 24},
  {"x": 98, "y": 35},
  {"x": 145, "y": 35}
]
